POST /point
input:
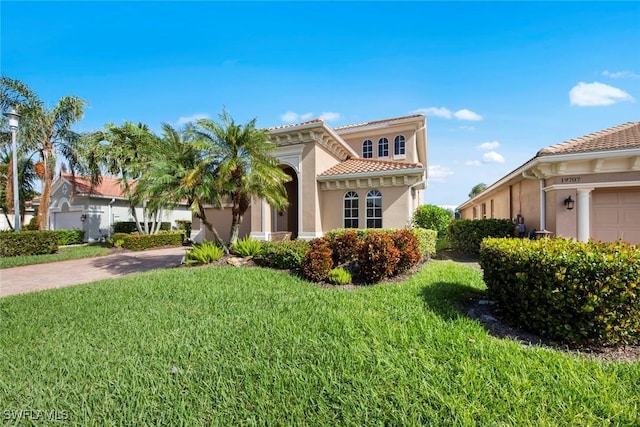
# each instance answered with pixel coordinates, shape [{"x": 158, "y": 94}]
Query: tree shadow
[{"x": 446, "y": 299}]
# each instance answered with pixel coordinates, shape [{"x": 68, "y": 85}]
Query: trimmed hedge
[
  {"x": 28, "y": 243},
  {"x": 70, "y": 237},
  {"x": 432, "y": 217},
  {"x": 139, "y": 242},
  {"x": 427, "y": 240},
  {"x": 284, "y": 255},
  {"x": 585, "y": 293},
  {"x": 130, "y": 227},
  {"x": 465, "y": 235}
]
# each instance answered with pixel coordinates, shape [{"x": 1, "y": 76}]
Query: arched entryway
[{"x": 287, "y": 220}]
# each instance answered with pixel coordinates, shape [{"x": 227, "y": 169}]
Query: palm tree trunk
[
  {"x": 213, "y": 230},
  {"x": 45, "y": 198},
  {"x": 8, "y": 221}
]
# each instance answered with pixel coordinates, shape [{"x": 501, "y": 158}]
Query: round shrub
[
  {"x": 339, "y": 276},
  {"x": 284, "y": 255},
  {"x": 409, "y": 247},
  {"x": 378, "y": 257},
  {"x": 318, "y": 262},
  {"x": 432, "y": 217},
  {"x": 345, "y": 246}
]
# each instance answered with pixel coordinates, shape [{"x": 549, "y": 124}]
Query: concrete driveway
[{"x": 37, "y": 277}]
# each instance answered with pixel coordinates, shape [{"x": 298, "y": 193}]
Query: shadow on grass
[{"x": 448, "y": 299}]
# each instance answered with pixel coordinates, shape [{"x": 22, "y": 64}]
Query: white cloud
[
  {"x": 597, "y": 94},
  {"x": 289, "y": 117},
  {"x": 465, "y": 127},
  {"x": 620, "y": 74},
  {"x": 465, "y": 114},
  {"x": 492, "y": 157},
  {"x": 306, "y": 116},
  {"x": 488, "y": 145},
  {"x": 473, "y": 163},
  {"x": 439, "y": 173},
  {"x": 183, "y": 120},
  {"x": 443, "y": 112},
  {"x": 329, "y": 116}
]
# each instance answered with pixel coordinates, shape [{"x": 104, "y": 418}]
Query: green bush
[
  {"x": 28, "y": 243},
  {"x": 465, "y": 235},
  {"x": 427, "y": 240},
  {"x": 587, "y": 293},
  {"x": 130, "y": 226},
  {"x": 339, "y": 276},
  {"x": 378, "y": 257},
  {"x": 139, "y": 242},
  {"x": 70, "y": 237},
  {"x": 432, "y": 217},
  {"x": 318, "y": 261},
  {"x": 247, "y": 247},
  {"x": 409, "y": 251},
  {"x": 204, "y": 253},
  {"x": 284, "y": 255}
]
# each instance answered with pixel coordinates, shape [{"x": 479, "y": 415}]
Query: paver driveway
[{"x": 31, "y": 278}]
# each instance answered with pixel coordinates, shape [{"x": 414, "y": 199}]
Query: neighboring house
[
  {"x": 587, "y": 187},
  {"x": 28, "y": 215},
  {"x": 96, "y": 209},
  {"x": 366, "y": 175}
]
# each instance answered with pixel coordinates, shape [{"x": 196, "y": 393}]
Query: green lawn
[
  {"x": 241, "y": 346},
  {"x": 63, "y": 254}
]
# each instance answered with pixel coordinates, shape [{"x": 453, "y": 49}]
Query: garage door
[{"x": 616, "y": 215}]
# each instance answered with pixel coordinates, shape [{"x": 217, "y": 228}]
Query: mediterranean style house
[
  {"x": 96, "y": 209},
  {"x": 584, "y": 188},
  {"x": 366, "y": 175}
]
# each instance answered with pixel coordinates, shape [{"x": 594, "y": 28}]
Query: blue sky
[{"x": 497, "y": 81}]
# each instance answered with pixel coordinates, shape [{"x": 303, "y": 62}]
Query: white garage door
[{"x": 616, "y": 215}]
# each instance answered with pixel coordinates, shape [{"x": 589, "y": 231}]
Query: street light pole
[{"x": 14, "y": 119}]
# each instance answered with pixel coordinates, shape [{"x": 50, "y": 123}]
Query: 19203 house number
[{"x": 570, "y": 179}]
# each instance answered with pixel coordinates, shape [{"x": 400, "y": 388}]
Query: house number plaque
[{"x": 570, "y": 180}]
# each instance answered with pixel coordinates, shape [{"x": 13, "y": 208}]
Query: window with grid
[
  {"x": 351, "y": 210},
  {"x": 398, "y": 146},
  {"x": 383, "y": 147},
  {"x": 374, "y": 209},
  {"x": 367, "y": 149}
]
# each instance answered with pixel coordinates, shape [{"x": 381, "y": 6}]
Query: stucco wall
[
  {"x": 396, "y": 207},
  {"x": 355, "y": 140},
  {"x": 221, "y": 220}
]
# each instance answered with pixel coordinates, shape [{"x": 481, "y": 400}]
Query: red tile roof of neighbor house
[
  {"x": 620, "y": 137},
  {"x": 363, "y": 166},
  {"x": 108, "y": 186}
]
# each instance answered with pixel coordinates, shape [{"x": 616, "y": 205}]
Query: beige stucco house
[
  {"x": 366, "y": 175},
  {"x": 587, "y": 187}
]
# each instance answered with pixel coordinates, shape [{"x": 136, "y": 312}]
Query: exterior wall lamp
[
  {"x": 83, "y": 217},
  {"x": 569, "y": 203}
]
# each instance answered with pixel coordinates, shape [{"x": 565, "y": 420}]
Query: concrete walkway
[{"x": 37, "y": 277}]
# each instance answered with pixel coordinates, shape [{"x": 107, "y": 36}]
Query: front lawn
[
  {"x": 64, "y": 253},
  {"x": 251, "y": 346}
]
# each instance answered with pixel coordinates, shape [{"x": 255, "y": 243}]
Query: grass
[
  {"x": 64, "y": 253},
  {"x": 250, "y": 346}
]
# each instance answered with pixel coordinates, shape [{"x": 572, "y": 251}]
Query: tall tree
[
  {"x": 245, "y": 166},
  {"x": 477, "y": 189},
  {"x": 183, "y": 170},
  {"x": 47, "y": 132},
  {"x": 126, "y": 153}
]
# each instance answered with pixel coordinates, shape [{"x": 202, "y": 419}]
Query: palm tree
[
  {"x": 125, "y": 153},
  {"x": 245, "y": 167},
  {"x": 26, "y": 179},
  {"x": 47, "y": 132},
  {"x": 182, "y": 170}
]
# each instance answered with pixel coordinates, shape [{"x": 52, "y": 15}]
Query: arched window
[
  {"x": 398, "y": 146},
  {"x": 367, "y": 149},
  {"x": 351, "y": 210},
  {"x": 374, "y": 209},
  {"x": 383, "y": 147}
]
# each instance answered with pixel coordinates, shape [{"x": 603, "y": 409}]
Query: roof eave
[{"x": 395, "y": 172}]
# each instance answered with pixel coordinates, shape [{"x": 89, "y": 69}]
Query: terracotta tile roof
[
  {"x": 109, "y": 185},
  {"x": 378, "y": 122},
  {"x": 292, "y": 125},
  {"x": 619, "y": 137},
  {"x": 364, "y": 166}
]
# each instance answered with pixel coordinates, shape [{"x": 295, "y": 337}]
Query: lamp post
[{"x": 14, "y": 119}]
